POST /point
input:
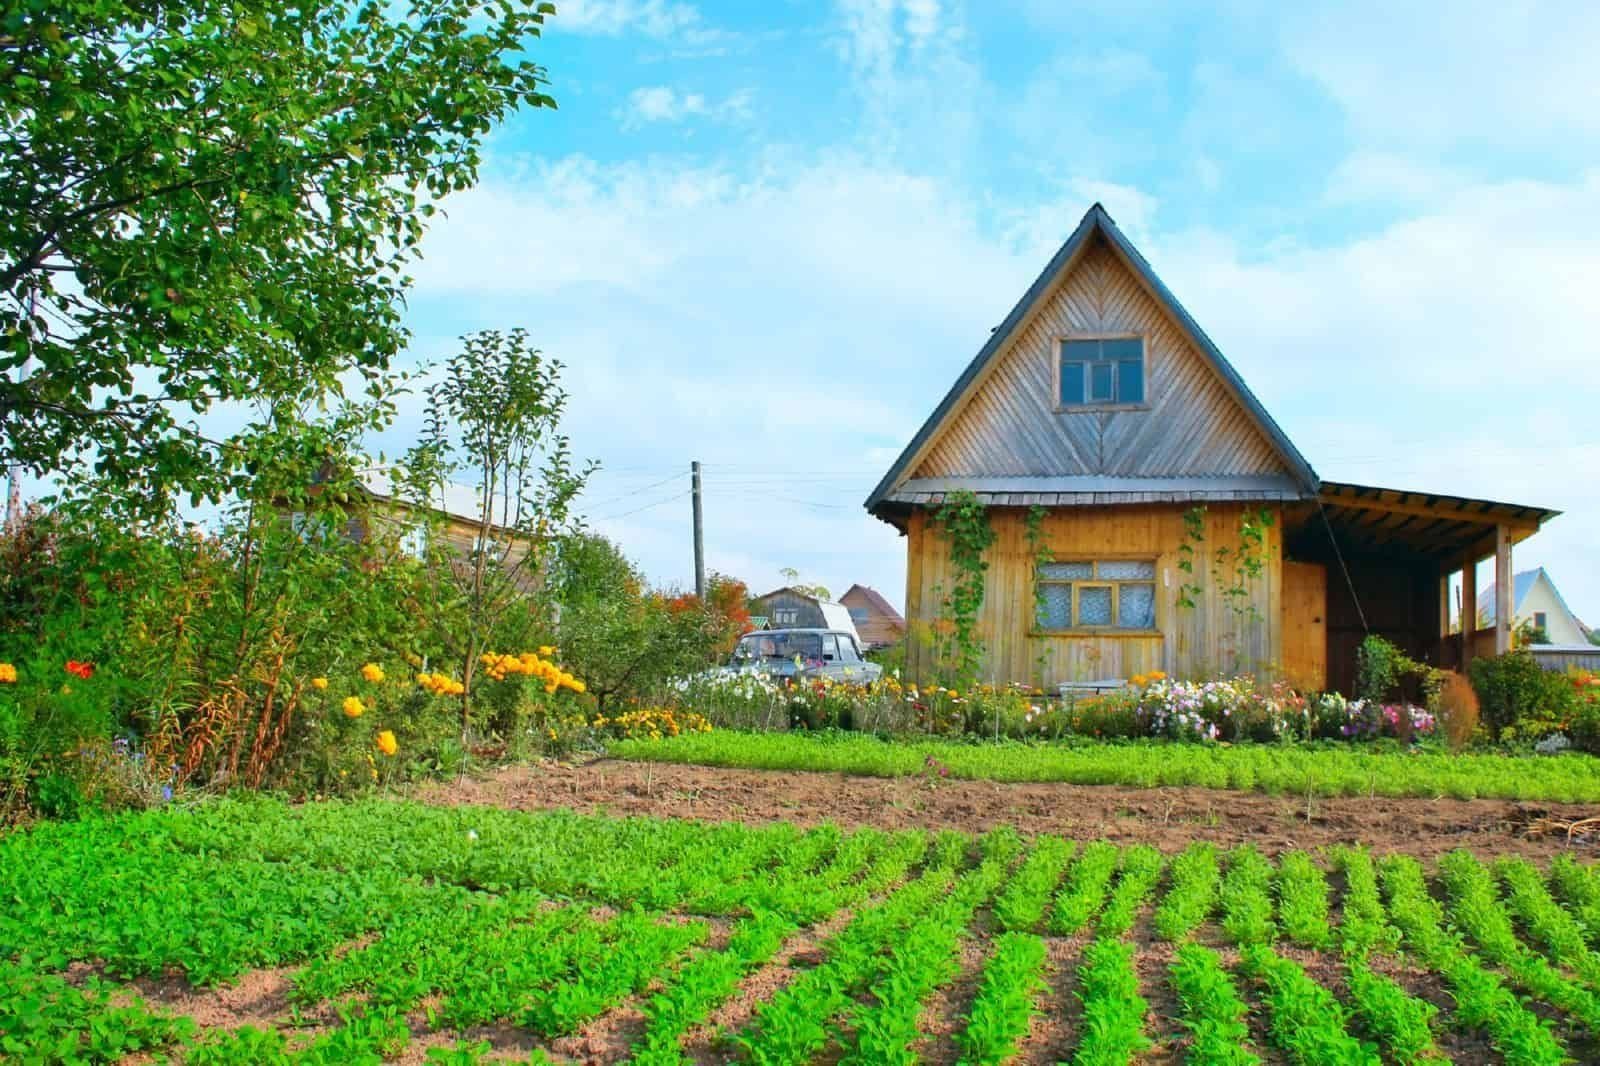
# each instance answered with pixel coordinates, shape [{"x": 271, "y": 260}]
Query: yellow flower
[
  {"x": 372, "y": 672},
  {"x": 547, "y": 651},
  {"x": 353, "y": 707},
  {"x": 386, "y": 742},
  {"x": 8, "y": 674},
  {"x": 1157, "y": 675},
  {"x": 319, "y": 683}
]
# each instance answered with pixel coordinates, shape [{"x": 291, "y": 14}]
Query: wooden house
[
  {"x": 1125, "y": 469},
  {"x": 876, "y": 620},
  {"x": 792, "y": 608}
]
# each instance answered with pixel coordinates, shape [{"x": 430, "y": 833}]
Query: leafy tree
[
  {"x": 494, "y": 416},
  {"x": 208, "y": 200},
  {"x": 792, "y": 577}
]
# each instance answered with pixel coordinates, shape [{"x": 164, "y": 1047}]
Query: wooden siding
[
  {"x": 808, "y": 616},
  {"x": 1305, "y": 625},
  {"x": 1207, "y": 640},
  {"x": 1010, "y": 426}
]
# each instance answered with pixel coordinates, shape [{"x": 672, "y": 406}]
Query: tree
[
  {"x": 495, "y": 416},
  {"x": 203, "y": 201},
  {"x": 792, "y": 576}
]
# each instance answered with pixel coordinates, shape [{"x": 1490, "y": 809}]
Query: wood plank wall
[
  {"x": 1010, "y": 426},
  {"x": 1208, "y": 640}
]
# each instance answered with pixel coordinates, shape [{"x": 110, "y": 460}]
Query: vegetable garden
[{"x": 388, "y": 930}]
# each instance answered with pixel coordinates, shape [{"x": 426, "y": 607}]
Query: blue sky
[{"x": 769, "y": 236}]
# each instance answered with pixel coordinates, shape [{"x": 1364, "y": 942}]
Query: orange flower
[
  {"x": 8, "y": 674},
  {"x": 319, "y": 683},
  {"x": 353, "y": 707},
  {"x": 77, "y": 669},
  {"x": 386, "y": 742},
  {"x": 372, "y": 672}
]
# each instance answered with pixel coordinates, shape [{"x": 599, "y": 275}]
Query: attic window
[{"x": 1102, "y": 372}]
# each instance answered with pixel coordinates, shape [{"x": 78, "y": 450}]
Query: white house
[{"x": 1538, "y": 603}]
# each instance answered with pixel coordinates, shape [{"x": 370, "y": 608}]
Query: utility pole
[{"x": 699, "y": 533}]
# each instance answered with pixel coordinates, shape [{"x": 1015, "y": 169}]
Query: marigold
[
  {"x": 8, "y": 674},
  {"x": 353, "y": 707},
  {"x": 386, "y": 742},
  {"x": 78, "y": 669},
  {"x": 372, "y": 672},
  {"x": 319, "y": 683},
  {"x": 547, "y": 651}
]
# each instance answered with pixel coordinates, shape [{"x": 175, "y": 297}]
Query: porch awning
[{"x": 1369, "y": 520}]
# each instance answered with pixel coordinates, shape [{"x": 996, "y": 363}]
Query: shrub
[
  {"x": 1519, "y": 700},
  {"x": 1457, "y": 707}
]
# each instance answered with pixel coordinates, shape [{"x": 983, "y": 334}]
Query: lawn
[
  {"x": 387, "y": 930},
  {"x": 1333, "y": 769}
]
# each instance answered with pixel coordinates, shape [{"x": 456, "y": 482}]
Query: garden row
[
  {"x": 401, "y": 922},
  {"x": 1302, "y": 770}
]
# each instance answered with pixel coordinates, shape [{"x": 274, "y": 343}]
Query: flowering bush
[{"x": 651, "y": 723}]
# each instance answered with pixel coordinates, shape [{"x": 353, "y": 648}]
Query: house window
[
  {"x": 858, "y": 614},
  {"x": 1106, "y": 594},
  {"x": 785, "y": 616},
  {"x": 1102, "y": 372},
  {"x": 1539, "y": 620}
]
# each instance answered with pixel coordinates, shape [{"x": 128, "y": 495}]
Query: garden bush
[{"x": 1519, "y": 699}]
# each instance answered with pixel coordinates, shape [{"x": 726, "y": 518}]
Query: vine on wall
[
  {"x": 1233, "y": 570},
  {"x": 964, "y": 522},
  {"x": 1040, "y": 555}
]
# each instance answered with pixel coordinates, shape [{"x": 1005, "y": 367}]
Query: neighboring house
[
  {"x": 875, "y": 618},
  {"x": 1536, "y": 601},
  {"x": 791, "y": 608},
  {"x": 1101, "y": 403}
]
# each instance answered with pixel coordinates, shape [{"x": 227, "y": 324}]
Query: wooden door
[{"x": 1305, "y": 625}]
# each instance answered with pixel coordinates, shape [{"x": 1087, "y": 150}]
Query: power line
[
  {"x": 636, "y": 510},
  {"x": 633, "y": 492}
]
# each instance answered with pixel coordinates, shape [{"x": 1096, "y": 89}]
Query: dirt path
[{"x": 1168, "y": 818}]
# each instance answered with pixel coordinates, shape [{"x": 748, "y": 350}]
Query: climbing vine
[
  {"x": 964, "y": 521},
  {"x": 1041, "y": 555},
  {"x": 1233, "y": 569}
]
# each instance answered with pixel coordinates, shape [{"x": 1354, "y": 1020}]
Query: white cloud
[
  {"x": 612, "y": 18},
  {"x": 662, "y": 103},
  {"x": 794, "y": 320},
  {"x": 1484, "y": 73}
]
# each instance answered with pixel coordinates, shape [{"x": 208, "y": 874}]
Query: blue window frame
[{"x": 1102, "y": 372}]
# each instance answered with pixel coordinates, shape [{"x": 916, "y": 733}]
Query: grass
[{"x": 1306, "y": 770}]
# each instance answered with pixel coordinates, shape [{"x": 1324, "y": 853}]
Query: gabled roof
[
  {"x": 1095, "y": 221},
  {"x": 1521, "y": 584},
  {"x": 876, "y": 601}
]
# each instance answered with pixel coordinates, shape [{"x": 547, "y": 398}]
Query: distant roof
[
  {"x": 877, "y": 602},
  {"x": 452, "y": 499},
  {"x": 1521, "y": 584}
]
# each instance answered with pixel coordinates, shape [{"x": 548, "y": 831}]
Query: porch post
[
  {"x": 1443, "y": 581},
  {"x": 1469, "y": 609},
  {"x": 1503, "y": 605}
]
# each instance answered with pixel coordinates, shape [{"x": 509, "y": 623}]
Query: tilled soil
[{"x": 1168, "y": 818}]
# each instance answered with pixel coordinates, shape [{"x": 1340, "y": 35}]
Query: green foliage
[
  {"x": 1306, "y": 1021},
  {"x": 964, "y": 522},
  {"x": 1212, "y": 1010},
  {"x": 185, "y": 224},
  {"x": 1247, "y": 898},
  {"x": 1141, "y": 869},
  {"x": 1113, "y": 1010},
  {"x": 1194, "y": 534},
  {"x": 1302, "y": 891},
  {"x": 1519, "y": 699},
  {"x": 1085, "y": 889},
  {"x": 1321, "y": 770},
  {"x": 1381, "y": 668},
  {"x": 494, "y": 417},
  {"x": 623, "y": 640},
  {"x": 1022, "y": 905},
  {"x": 1481, "y": 996},
  {"x": 43, "y": 1018},
  {"x": 1192, "y": 894},
  {"x": 1006, "y": 1000}
]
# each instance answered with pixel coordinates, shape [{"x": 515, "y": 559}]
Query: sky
[{"x": 769, "y": 236}]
